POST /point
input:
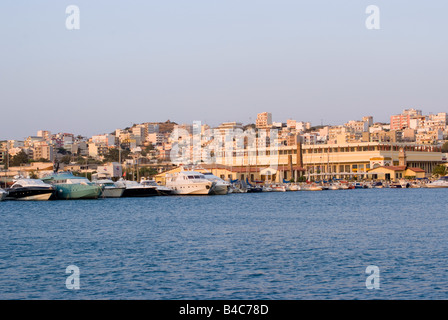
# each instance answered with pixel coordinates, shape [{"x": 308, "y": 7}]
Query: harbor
[{"x": 67, "y": 186}]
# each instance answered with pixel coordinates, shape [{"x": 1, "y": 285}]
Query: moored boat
[
  {"x": 220, "y": 187},
  {"x": 189, "y": 183},
  {"x": 162, "y": 190},
  {"x": 442, "y": 182},
  {"x": 70, "y": 187},
  {"x": 30, "y": 190},
  {"x": 278, "y": 188},
  {"x": 110, "y": 189},
  {"x": 133, "y": 189}
]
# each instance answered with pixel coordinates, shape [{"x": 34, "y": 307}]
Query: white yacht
[
  {"x": 189, "y": 183},
  {"x": 110, "y": 189},
  {"x": 442, "y": 182},
  {"x": 162, "y": 190},
  {"x": 3, "y": 194},
  {"x": 221, "y": 186}
]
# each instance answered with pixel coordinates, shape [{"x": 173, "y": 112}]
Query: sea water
[{"x": 270, "y": 245}]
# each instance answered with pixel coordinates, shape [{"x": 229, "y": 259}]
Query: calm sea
[{"x": 278, "y": 245}]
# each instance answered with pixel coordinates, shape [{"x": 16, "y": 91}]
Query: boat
[
  {"x": 334, "y": 186},
  {"x": 162, "y": 190},
  {"x": 313, "y": 187},
  {"x": 267, "y": 189},
  {"x": 110, "y": 189},
  {"x": 30, "y": 190},
  {"x": 188, "y": 183},
  {"x": 3, "y": 194},
  {"x": 292, "y": 187},
  {"x": 442, "y": 182},
  {"x": 220, "y": 187},
  {"x": 250, "y": 188},
  {"x": 70, "y": 187},
  {"x": 278, "y": 188},
  {"x": 254, "y": 189},
  {"x": 378, "y": 185},
  {"x": 133, "y": 189},
  {"x": 395, "y": 185}
]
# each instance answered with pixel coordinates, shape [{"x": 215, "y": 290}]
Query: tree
[
  {"x": 440, "y": 170},
  {"x": 445, "y": 147},
  {"x": 66, "y": 159},
  {"x": 19, "y": 159},
  {"x": 113, "y": 155}
]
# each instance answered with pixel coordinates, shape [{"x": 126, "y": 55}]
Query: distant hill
[{"x": 166, "y": 126}]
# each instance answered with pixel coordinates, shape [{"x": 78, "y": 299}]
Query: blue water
[{"x": 280, "y": 245}]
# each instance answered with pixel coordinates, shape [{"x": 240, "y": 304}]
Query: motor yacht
[
  {"x": 442, "y": 182},
  {"x": 135, "y": 189},
  {"x": 30, "y": 190},
  {"x": 220, "y": 187},
  {"x": 162, "y": 190},
  {"x": 110, "y": 189},
  {"x": 189, "y": 183},
  {"x": 70, "y": 187}
]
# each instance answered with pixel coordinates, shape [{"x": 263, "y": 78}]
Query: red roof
[
  {"x": 402, "y": 168},
  {"x": 395, "y": 168},
  {"x": 416, "y": 169}
]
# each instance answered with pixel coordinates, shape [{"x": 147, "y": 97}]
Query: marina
[{"x": 66, "y": 186}]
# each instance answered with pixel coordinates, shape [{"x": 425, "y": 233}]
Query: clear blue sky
[{"x": 216, "y": 60}]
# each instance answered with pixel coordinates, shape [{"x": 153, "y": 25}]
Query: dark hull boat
[
  {"x": 135, "y": 189},
  {"x": 30, "y": 190}
]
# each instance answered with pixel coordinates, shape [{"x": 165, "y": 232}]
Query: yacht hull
[
  {"x": 77, "y": 191},
  {"x": 112, "y": 192},
  {"x": 139, "y": 192},
  {"x": 30, "y": 194},
  {"x": 220, "y": 190}
]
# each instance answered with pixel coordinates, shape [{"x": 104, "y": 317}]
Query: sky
[{"x": 216, "y": 61}]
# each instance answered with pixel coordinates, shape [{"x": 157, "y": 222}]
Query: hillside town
[{"x": 412, "y": 145}]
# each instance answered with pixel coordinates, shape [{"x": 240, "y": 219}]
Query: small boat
[
  {"x": 3, "y": 194},
  {"x": 267, "y": 189},
  {"x": 378, "y": 185},
  {"x": 313, "y": 187},
  {"x": 358, "y": 185},
  {"x": 278, "y": 188},
  {"x": 254, "y": 189},
  {"x": 292, "y": 187},
  {"x": 30, "y": 190},
  {"x": 334, "y": 186},
  {"x": 395, "y": 185}
]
